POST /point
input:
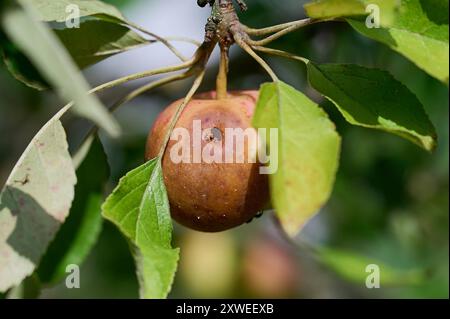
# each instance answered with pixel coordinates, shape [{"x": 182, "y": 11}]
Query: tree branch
[
  {"x": 275, "y": 28},
  {"x": 281, "y": 53},
  {"x": 160, "y": 39},
  {"x": 282, "y": 32},
  {"x": 243, "y": 44}
]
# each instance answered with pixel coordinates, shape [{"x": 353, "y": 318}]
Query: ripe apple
[{"x": 207, "y": 195}]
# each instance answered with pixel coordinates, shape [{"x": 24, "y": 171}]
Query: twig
[
  {"x": 85, "y": 145},
  {"x": 184, "y": 39},
  {"x": 150, "y": 86},
  {"x": 243, "y": 44},
  {"x": 275, "y": 28},
  {"x": 160, "y": 39},
  {"x": 281, "y": 53},
  {"x": 131, "y": 77},
  {"x": 144, "y": 74},
  {"x": 197, "y": 63},
  {"x": 283, "y": 32}
]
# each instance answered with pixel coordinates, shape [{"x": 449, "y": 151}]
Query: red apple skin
[{"x": 218, "y": 196}]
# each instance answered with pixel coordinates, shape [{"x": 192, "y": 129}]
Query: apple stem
[{"x": 222, "y": 77}]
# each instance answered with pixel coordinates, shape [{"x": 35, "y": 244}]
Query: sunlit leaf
[
  {"x": 35, "y": 202},
  {"x": 325, "y": 9},
  {"x": 57, "y": 10},
  {"x": 79, "y": 233},
  {"x": 308, "y": 153},
  {"x": 420, "y": 33}
]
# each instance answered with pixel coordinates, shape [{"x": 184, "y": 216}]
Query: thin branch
[
  {"x": 184, "y": 39},
  {"x": 160, "y": 39},
  {"x": 144, "y": 74},
  {"x": 283, "y": 32},
  {"x": 199, "y": 59},
  {"x": 189, "y": 64},
  {"x": 85, "y": 145},
  {"x": 249, "y": 50},
  {"x": 195, "y": 65},
  {"x": 275, "y": 28},
  {"x": 281, "y": 53},
  {"x": 150, "y": 86},
  {"x": 197, "y": 82}
]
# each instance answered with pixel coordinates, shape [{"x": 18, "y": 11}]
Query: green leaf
[
  {"x": 34, "y": 202},
  {"x": 308, "y": 153},
  {"x": 326, "y": 9},
  {"x": 79, "y": 233},
  {"x": 354, "y": 268},
  {"x": 140, "y": 209},
  {"x": 103, "y": 32},
  {"x": 49, "y": 56},
  {"x": 97, "y": 40},
  {"x": 19, "y": 66},
  {"x": 30, "y": 288},
  {"x": 373, "y": 98},
  {"x": 55, "y": 10},
  {"x": 420, "y": 33}
]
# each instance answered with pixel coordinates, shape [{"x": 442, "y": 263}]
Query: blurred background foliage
[{"x": 390, "y": 201}]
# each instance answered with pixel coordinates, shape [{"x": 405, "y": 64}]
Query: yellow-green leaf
[
  {"x": 35, "y": 202},
  {"x": 82, "y": 228},
  {"x": 325, "y": 9},
  {"x": 420, "y": 33},
  {"x": 308, "y": 153}
]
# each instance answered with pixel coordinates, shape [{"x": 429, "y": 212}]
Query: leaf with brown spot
[{"x": 35, "y": 202}]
